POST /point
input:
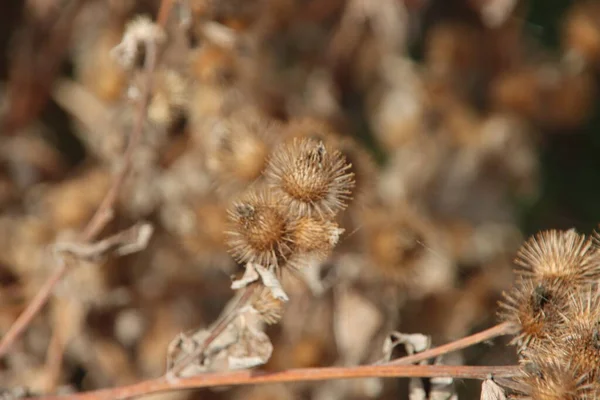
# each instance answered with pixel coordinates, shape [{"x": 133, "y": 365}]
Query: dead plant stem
[
  {"x": 504, "y": 328},
  {"x": 249, "y": 377}
]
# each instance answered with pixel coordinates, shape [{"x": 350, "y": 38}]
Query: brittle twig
[{"x": 249, "y": 377}]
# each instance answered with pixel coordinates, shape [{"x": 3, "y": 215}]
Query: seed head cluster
[
  {"x": 555, "y": 303},
  {"x": 286, "y": 218}
]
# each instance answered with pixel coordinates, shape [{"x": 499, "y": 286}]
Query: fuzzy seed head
[
  {"x": 259, "y": 231},
  {"x": 238, "y": 148},
  {"x": 312, "y": 179},
  {"x": 394, "y": 242},
  {"x": 554, "y": 380},
  {"x": 580, "y": 341},
  {"x": 314, "y": 234},
  {"x": 562, "y": 256},
  {"x": 534, "y": 307}
]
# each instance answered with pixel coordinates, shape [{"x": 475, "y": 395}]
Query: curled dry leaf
[
  {"x": 242, "y": 345},
  {"x": 253, "y": 273},
  {"x": 129, "y": 241},
  {"x": 139, "y": 31}
]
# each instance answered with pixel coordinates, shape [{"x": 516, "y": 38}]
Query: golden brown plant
[
  {"x": 564, "y": 257},
  {"x": 535, "y": 307},
  {"x": 260, "y": 230},
  {"x": 555, "y": 380},
  {"x": 311, "y": 178}
]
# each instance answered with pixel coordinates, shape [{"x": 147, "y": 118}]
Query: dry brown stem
[
  {"x": 295, "y": 375},
  {"x": 504, "y": 328}
]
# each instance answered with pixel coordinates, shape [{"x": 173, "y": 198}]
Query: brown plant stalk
[
  {"x": 504, "y": 328},
  {"x": 294, "y": 375},
  {"x": 104, "y": 212}
]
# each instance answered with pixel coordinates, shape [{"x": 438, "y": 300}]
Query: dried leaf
[
  {"x": 490, "y": 390},
  {"x": 356, "y": 321},
  {"x": 125, "y": 242},
  {"x": 242, "y": 345},
  {"x": 267, "y": 276},
  {"x": 413, "y": 342}
]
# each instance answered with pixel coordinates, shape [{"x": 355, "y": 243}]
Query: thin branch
[
  {"x": 104, "y": 212},
  {"x": 504, "y": 328},
  {"x": 294, "y": 375}
]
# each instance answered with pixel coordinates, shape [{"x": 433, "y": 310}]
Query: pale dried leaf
[
  {"x": 416, "y": 390},
  {"x": 242, "y": 345},
  {"x": 442, "y": 388},
  {"x": 267, "y": 276},
  {"x": 250, "y": 276},
  {"x": 129, "y": 241},
  {"x": 270, "y": 280},
  {"x": 140, "y": 31},
  {"x": 356, "y": 321},
  {"x": 490, "y": 390},
  {"x": 414, "y": 342}
]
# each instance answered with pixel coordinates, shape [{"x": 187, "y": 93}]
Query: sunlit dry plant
[
  {"x": 238, "y": 147},
  {"x": 311, "y": 178},
  {"x": 551, "y": 379},
  {"x": 313, "y": 238},
  {"x": 535, "y": 307},
  {"x": 259, "y": 231},
  {"x": 362, "y": 165},
  {"x": 579, "y": 339},
  {"x": 565, "y": 257}
]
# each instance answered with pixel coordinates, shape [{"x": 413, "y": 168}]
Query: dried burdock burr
[
  {"x": 313, "y": 239},
  {"x": 311, "y": 178},
  {"x": 535, "y": 307},
  {"x": 403, "y": 247},
  {"x": 238, "y": 148},
  {"x": 259, "y": 231},
  {"x": 362, "y": 164},
  {"x": 563, "y": 257},
  {"x": 579, "y": 341},
  {"x": 550, "y": 379}
]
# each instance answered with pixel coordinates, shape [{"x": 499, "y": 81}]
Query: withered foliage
[{"x": 296, "y": 152}]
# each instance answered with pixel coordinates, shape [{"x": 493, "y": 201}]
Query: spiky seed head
[
  {"x": 580, "y": 337},
  {"x": 535, "y": 308},
  {"x": 313, "y": 239},
  {"x": 563, "y": 256},
  {"x": 238, "y": 147},
  {"x": 395, "y": 242},
  {"x": 268, "y": 307},
  {"x": 363, "y": 166},
  {"x": 314, "y": 234},
  {"x": 312, "y": 179},
  {"x": 552, "y": 379},
  {"x": 259, "y": 231}
]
